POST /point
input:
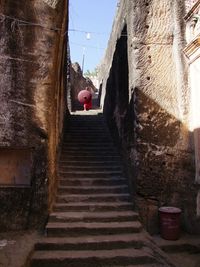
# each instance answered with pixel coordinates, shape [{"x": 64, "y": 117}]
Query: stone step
[
  {"x": 90, "y": 142},
  {"x": 87, "y": 129},
  {"x": 65, "y": 177},
  {"x": 86, "y": 152},
  {"x": 98, "y": 258},
  {"x": 74, "y": 162},
  {"x": 88, "y": 123},
  {"x": 93, "y": 223},
  {"x": 82, "y": 124},
  {"x": 92, "y": 198},
  {"x": 89, "y": 158},
  {"x": 92, "y": 189},
  {"x": 93, "y": 206},
  {"x": 88, "y": 216},
  {"x": 82, "y": 131},
  {"x": 89, "y": 146},
  {"x": 156, "y": 264},
  {"x": 89, "y": 153},
  {"x": 101, "y": 242},
  {"x": 92, "y": 174},
  {"x": 97, "y": 126},
  {"x": 92, "y": 181},
  {"x": 88, "y": 136},
  {"x": 76, "y": 167},
  {"x": 88, "y": 126},
  {"x": 61, "y": 229},
  {"x": 86, "y": 144},
  {"x": 86, "y": 120}
]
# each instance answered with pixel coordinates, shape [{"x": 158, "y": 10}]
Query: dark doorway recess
[{"x": 117, "y": 93}]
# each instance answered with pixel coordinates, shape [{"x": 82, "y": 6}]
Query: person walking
[{"x": 85, "y": 98}]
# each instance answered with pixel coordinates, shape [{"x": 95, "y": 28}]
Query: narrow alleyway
[
  {"x": 68, "y": 203},
  {"x": 93, "y": 222}
]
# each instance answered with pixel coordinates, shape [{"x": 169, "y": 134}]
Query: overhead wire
[
  {"x": 84, "y": 31},
  {"x": 83, "y": 45},
  {"x": 26, "y": 22}
]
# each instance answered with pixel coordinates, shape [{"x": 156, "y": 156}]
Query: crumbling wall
[
  {"x": 32, "y": 110},
  {"x": 152, "y": 130}
]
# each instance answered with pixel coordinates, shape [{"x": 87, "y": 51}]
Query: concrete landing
[{"x": 184, "y": 252}]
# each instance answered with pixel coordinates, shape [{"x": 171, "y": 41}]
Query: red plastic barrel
[
  {"x": 170, "y": 222},
  {"x": 84, "y": 96}
]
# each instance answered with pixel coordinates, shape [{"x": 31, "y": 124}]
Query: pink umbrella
[{"x": 84, "y": 96}]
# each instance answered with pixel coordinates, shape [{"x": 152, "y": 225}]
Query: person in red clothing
[
  {"x": 87, "y": 101},
  {"x": 85, "y": 98}
]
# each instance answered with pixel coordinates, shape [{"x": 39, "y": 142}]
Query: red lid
[{"x": 170, "y": 209}]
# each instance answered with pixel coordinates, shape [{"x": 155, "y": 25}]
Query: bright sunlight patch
[{"x": 51, "y": 3}]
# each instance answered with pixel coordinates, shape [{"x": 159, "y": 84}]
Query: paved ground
[
  {"x": 184, "y": 252},
  {"x": 15, "y": 247}
]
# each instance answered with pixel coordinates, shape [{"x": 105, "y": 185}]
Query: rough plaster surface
[
  {"x": 152, "y": 130},
  {"x": 32, "y": 101}
]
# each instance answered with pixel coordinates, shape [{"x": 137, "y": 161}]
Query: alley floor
[
  {"x": 184, "y": 252},
  {"x": 16, "y": 247}
]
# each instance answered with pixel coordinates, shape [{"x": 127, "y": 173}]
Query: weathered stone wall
[
  {"x": 32, "y": 110},
  {"x": 145, "y": 100}
]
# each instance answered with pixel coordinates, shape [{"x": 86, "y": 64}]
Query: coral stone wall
[
  {"x": 152, "y": 128},
  {"x": 32, "y": 110}
]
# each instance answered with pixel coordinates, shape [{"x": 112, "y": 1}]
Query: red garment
[
  {"x": 88, "y": 104},
  {"x": 85, "y": 98}
]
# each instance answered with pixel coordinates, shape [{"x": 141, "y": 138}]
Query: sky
[{"x": 90, "y": 24}]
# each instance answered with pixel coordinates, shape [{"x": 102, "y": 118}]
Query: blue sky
[{"x": 90, "y": 23}]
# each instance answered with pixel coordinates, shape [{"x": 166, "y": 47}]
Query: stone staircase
[{"x": 93, "y": 223}]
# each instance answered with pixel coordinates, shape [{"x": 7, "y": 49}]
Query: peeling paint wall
[
  {"x": 152, "y": 131},
  {"x": 32, "y": 110}
]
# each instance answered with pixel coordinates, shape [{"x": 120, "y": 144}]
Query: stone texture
[
  {"x": 145, "y": 98},
  {"x": 32, "y": 89}
]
